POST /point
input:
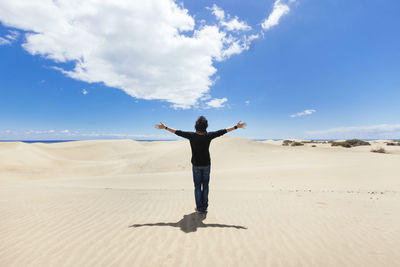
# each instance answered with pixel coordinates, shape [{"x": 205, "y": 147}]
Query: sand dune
[{"x": 129, "y": 203}]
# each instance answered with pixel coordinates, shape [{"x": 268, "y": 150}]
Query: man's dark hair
[{"x": 201, "y": 124}]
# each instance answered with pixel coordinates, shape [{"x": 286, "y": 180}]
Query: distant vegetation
[
  {"x": 346, "y": 143},
  {"x": 286, "y": 142},
  {"x": 314, "y": 142},
  {"x": 350, "y": 143},
  {"x": 291, "y": 143},
  {"x": 394, "y": 143},
  {"x": 297, "y": 144},
  {"x": 378, "y": 150}
]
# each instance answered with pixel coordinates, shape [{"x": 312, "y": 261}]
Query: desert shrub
[
  {"x": 286, "y": 142},
  {"x": 350, "y": 143},
  {"x": 314, "y": 142},
  {"x": 343, "y": 144},
  {"x": 356, "y": 142},
  {"x": 378, "y": 150},
  {"x": 291, "y": 143},
  {"x": 297, "y": 144},
  {"x": 314, "y": 146}
]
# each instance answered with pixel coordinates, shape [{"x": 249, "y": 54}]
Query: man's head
[{"x": 201, "y": 124}]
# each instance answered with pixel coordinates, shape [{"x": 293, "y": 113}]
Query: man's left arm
[
  {"x": 217, "y": 133},
  {"x": 238, "y": 125},
  {"x": 177, "y": 132},
  {"x": 227, "y": 130}
]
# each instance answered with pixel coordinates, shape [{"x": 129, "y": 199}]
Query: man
[{"x": 201, "y": 162}]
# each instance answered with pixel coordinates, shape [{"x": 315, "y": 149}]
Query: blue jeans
[{"x": 201, "y": 178}]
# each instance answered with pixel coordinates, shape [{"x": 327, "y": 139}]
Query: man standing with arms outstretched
[{"x": 201, "y": 162}]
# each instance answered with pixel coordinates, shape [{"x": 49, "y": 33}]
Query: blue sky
[{"x": 324, "y": 69}]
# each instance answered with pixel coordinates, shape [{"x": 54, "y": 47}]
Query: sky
[{"x": 98, "y": 69}]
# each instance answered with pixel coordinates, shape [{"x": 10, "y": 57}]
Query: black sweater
[{"x": 200, "y": 145}]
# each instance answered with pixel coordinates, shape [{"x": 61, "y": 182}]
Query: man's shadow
[{"x": 190, "y": 222}]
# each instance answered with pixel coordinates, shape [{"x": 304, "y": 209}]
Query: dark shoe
[{"x": 200, "y": 211}]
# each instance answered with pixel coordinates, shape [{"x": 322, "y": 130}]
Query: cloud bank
[
  {"x": 381, "y": 131},
  {"x": 75, "y": 135},
  {"x": 150, "y": 49}
]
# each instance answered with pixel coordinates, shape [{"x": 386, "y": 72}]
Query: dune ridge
[{"x": 130, "y": 203}]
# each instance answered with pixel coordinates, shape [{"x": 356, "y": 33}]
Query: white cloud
[
  {"x": 9, "y": 38},
  {"x": 4, "y": 41},
  {"x": 85, "y": 92},
  {"x": 149, "y": 49},
  {"x": 247, "y": 102},
  {"x": 65, "y": 131},
  {"x": 305, "y": 112},
  {"x": 281, "y": 8},
  {"x": 218, "y": 12},
  {"x": 230, "y": 24},
  {"x": 13, "y": 35},
  {"x": 237, "y": 46},
  {"x": 216, "y": 102},
  {"x": 235, "y": 25},
  {"x": 371, "y": 131}
]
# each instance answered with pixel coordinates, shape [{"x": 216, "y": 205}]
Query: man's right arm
[
  {"x": 177, "y": 132},
  {"x": 162, "y": 126}
]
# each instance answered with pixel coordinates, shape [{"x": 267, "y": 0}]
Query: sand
[{"x": 129, "y": 203}]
